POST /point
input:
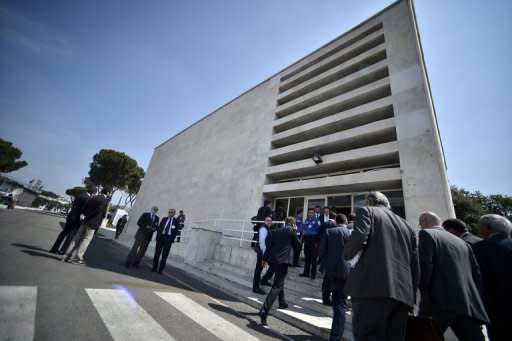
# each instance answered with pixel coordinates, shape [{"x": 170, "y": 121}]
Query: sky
[{"x": 79, "y": 76}]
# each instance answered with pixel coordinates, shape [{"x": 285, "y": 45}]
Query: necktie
[{"x": 167, "y": 226}]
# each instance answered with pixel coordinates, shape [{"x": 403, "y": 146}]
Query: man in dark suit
[
  {"x": 147, "y": 223},
  {"x": 383, "y": 282},
  {"x": 494, "y": 254},
  {"x": 326, "y": 221},
  {"x": 165, "y": 235},
  {"x": 72, "y": 222},
  {"x": 181, "y": 225},
  {"x": 94, "y": 212},
  {"x": 458, "y": 228},
  {"x": 264, "y": 211},
  {"x": 279, "y": 253},
  {"x": 450, "y": 281},
  {"x": 336, "y": 271},
  {"x": 261, "y": 247}
]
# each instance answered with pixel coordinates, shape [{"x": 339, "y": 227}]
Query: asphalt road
[{"x": 42, "y": 298}]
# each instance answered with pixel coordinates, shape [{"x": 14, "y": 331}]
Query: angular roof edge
[{"x": 276, "y": 73}]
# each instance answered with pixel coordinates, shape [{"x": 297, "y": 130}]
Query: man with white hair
[
  {"x": 449, "y": 281},
  {"x": 494, "y": 254},
  {"x": 383, "y": 282}
]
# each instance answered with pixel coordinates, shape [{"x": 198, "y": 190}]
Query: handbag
[{"x": 422, "y": 328}]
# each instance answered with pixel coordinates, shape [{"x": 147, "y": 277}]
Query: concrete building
[{"x": 360, "y": 105}]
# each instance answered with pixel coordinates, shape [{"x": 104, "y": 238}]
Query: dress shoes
[
  {"x": 259, "y": 291},
  {"x": 303, "y": 275},
  {"x": 263, "y": 318},
  {"x": 327, "y": 302},
  {"x": 266, "y": 283},
  {"x": 283, "y": 306}
]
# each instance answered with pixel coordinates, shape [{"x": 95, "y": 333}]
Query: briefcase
[{"x": 422, "y": 328}]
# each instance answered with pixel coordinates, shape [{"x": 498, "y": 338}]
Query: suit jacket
[
  {"x": 323, "y": 225},
  {"x": 450, "y": 276},
  {"x": 173, "y": 231},
  {"x": 280, "y": 243},
  {"x": 78, "y": 207},
  {"x": 331, "y": 252},
  {"x": 470, "y": 238},
  {"x": 494, "y": 255},
  {"x": 145, "y": 220},
  {"x": 95, "y": 210},
  {"x": 388, "y": 265}
]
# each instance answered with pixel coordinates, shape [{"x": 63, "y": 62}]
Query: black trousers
[
  {"x": 256, "y": 279},
  {"x": 138, "y": 250},
  {"x": 163, "y": 248},
  {"x": 326, "y": 289},
  {"x": 310, "y": 255},
  {"x": 296, "y": 253},
  {"x": 68, "y": 232},
  {"x": 465, "y": 328},
  {"x": 277, "y": 289},
  {"x": 339, "y": 307},
  {"x": 119, "y": 230},
  {"x": 379, "y": 319}
]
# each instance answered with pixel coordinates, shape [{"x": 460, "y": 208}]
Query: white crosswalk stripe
[
  {"x": 17, "y": 312},
  {"x": 124, "y": 318},
  {"x": 215, "y": 324}
]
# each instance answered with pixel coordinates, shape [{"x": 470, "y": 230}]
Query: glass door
[{"x": 312, "y": 202}]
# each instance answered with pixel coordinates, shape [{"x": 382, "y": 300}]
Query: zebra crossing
[{"x": 122, "y": 315}]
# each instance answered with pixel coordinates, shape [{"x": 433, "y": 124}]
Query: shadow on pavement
[
  {"x": 39, "y": 254},
  {"x": 31, "y": 247},
  {"x": 257, "y": 327}
]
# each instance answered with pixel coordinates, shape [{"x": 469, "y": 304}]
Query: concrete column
[{"x": 425, "y": 182}]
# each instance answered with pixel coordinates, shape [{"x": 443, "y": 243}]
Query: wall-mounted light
[{"x": 317, "y": 158}]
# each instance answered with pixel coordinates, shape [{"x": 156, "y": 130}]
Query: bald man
[{"x": 450, "y": 281}]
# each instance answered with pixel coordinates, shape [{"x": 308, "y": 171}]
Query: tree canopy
[
  {"x": 112, "y": 168},
  {"x": 75, "y": 191},
  {"x": 9, "y": 157},
  {"x": 470, "y": 206},
  {"x": 49, "y": 194}
]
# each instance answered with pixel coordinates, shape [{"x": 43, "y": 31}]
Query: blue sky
[{"x": 78, "y": 76}]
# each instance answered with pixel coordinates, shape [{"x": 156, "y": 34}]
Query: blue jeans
[{"x": 339, "y": 307}]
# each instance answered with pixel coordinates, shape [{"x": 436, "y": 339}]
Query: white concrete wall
[
  {"x": 215, "y": 168},
  {"x": 424, "y": 178}
]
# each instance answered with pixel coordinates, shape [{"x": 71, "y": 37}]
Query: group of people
[
  {"x": 167, "y": 230},
  {"x": 382, "y": 262},
  {"x": 83, "y": 220}
]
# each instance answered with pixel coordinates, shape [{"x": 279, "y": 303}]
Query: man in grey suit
[
  {"x": 336, "y": 271},
  {"x": 383, "y": 282},
  {"x": 458, "y": 228},
  {"x": 450, "y": 281}
]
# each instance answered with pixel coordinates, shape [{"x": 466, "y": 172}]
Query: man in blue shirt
[
  {"x": 299, "y": 221},
  {"x": 310, "y": 229}
]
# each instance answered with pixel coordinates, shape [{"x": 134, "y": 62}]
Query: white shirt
[{"x": 262, "y": 236}]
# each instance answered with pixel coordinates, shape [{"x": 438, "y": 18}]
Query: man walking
[
  {"x": 458, "y": 228},
  {"x": 94, "y": 212},
  {"x": 261, "y": 247},
  {"x": 279, "y": 253},
  {"x": 181, "y": 225},
  {"x": 336, "y": 272},
  {"x": 72, "y": 222},
  {"x": 147, "y": 223},
  {"x": 120, "y": 225},
  {"x": 383, "y": 282},
  {"x": 450, "y": 281},
  {"x": 165, "y": 235},
  {"x": 494, "y": 254}
]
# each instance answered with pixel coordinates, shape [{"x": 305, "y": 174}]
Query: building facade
[{"x": 355, "y": 115}]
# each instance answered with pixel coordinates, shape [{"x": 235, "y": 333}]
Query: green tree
[
  {"x": 75, "y": 191},
  {"x": 9, "y": 157},
  {"x": 470, "y": 206},
  {"x": 134, "y": 185},
  {"x": 112, "y": 168},
  {"x": 49, "y": 194}
]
